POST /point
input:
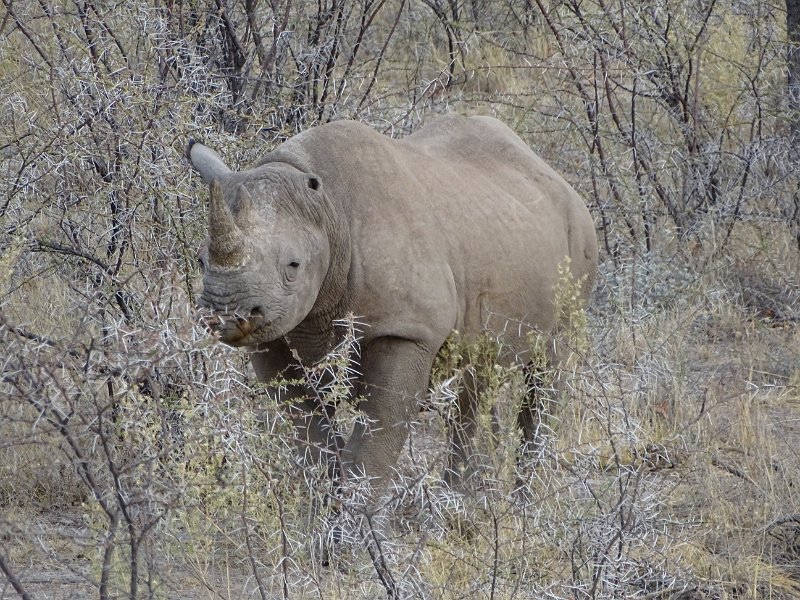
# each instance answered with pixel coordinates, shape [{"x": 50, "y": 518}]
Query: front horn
[{"x": 226, "y": 240}]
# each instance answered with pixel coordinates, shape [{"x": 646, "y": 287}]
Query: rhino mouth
[{"x": 234, "y": 328}]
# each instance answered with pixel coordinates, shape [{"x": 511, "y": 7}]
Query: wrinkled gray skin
[{"x": 458, "y": 227}]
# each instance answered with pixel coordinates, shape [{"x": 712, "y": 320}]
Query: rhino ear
[
  {"x": 206, "y": 162},
  {"x": 313, "y": 182}
]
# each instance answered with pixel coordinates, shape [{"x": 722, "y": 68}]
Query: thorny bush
[{"x": 138, "y": 458}]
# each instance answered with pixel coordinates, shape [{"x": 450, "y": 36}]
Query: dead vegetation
[{"x": 137, "y": 459}]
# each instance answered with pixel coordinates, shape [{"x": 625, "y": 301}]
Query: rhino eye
[{"x": 290, "y": 273}]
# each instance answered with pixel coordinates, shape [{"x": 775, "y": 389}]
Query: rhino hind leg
[
  {"x": 532, "y": 419},
  {"x": 463, "y": 463},
  {"x": 531, "y": 411}
]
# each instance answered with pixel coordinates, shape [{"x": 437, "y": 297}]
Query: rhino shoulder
[{"x": 315, "y": 149}]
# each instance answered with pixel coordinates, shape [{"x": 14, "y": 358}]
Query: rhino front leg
[
  {"x": 315, "y": 435},
  {"x": 316, "y": 438},
  {"x": 396, "y": 372}
]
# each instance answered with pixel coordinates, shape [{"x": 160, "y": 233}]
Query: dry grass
[
  {"x": 670, "y": 472},
  {"x": 138, "y": 459}
]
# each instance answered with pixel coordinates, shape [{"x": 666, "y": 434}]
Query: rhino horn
[
  {"x": 206, "y": 162},
  {"x": 245, "y": 208},
  {"x": 226, "y": 240}
]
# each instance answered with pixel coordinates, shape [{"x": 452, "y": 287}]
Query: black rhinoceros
[{"x": 458, "y": 227}]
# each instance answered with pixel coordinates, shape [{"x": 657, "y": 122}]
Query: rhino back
[{"x": 459, "y": 226}]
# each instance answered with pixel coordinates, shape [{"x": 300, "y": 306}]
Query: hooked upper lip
[{"x": 233, "y": 325}]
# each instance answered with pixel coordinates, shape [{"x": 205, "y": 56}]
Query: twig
[
  {"x": 12, "y": 579},
  {"x": 19, "y": 332},
  {"x": 732, "y": 470},
  {"x": 783, "y": 521},
  {"x": 375, "y": 550}
]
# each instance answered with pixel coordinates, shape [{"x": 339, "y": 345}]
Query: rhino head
[{"x": 266, "y": 256}]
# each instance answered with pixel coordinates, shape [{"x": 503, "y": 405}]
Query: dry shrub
[{"x": 138, "y": 459}]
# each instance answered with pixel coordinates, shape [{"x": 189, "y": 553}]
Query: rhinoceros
[{"x": 459, "y": 227}]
